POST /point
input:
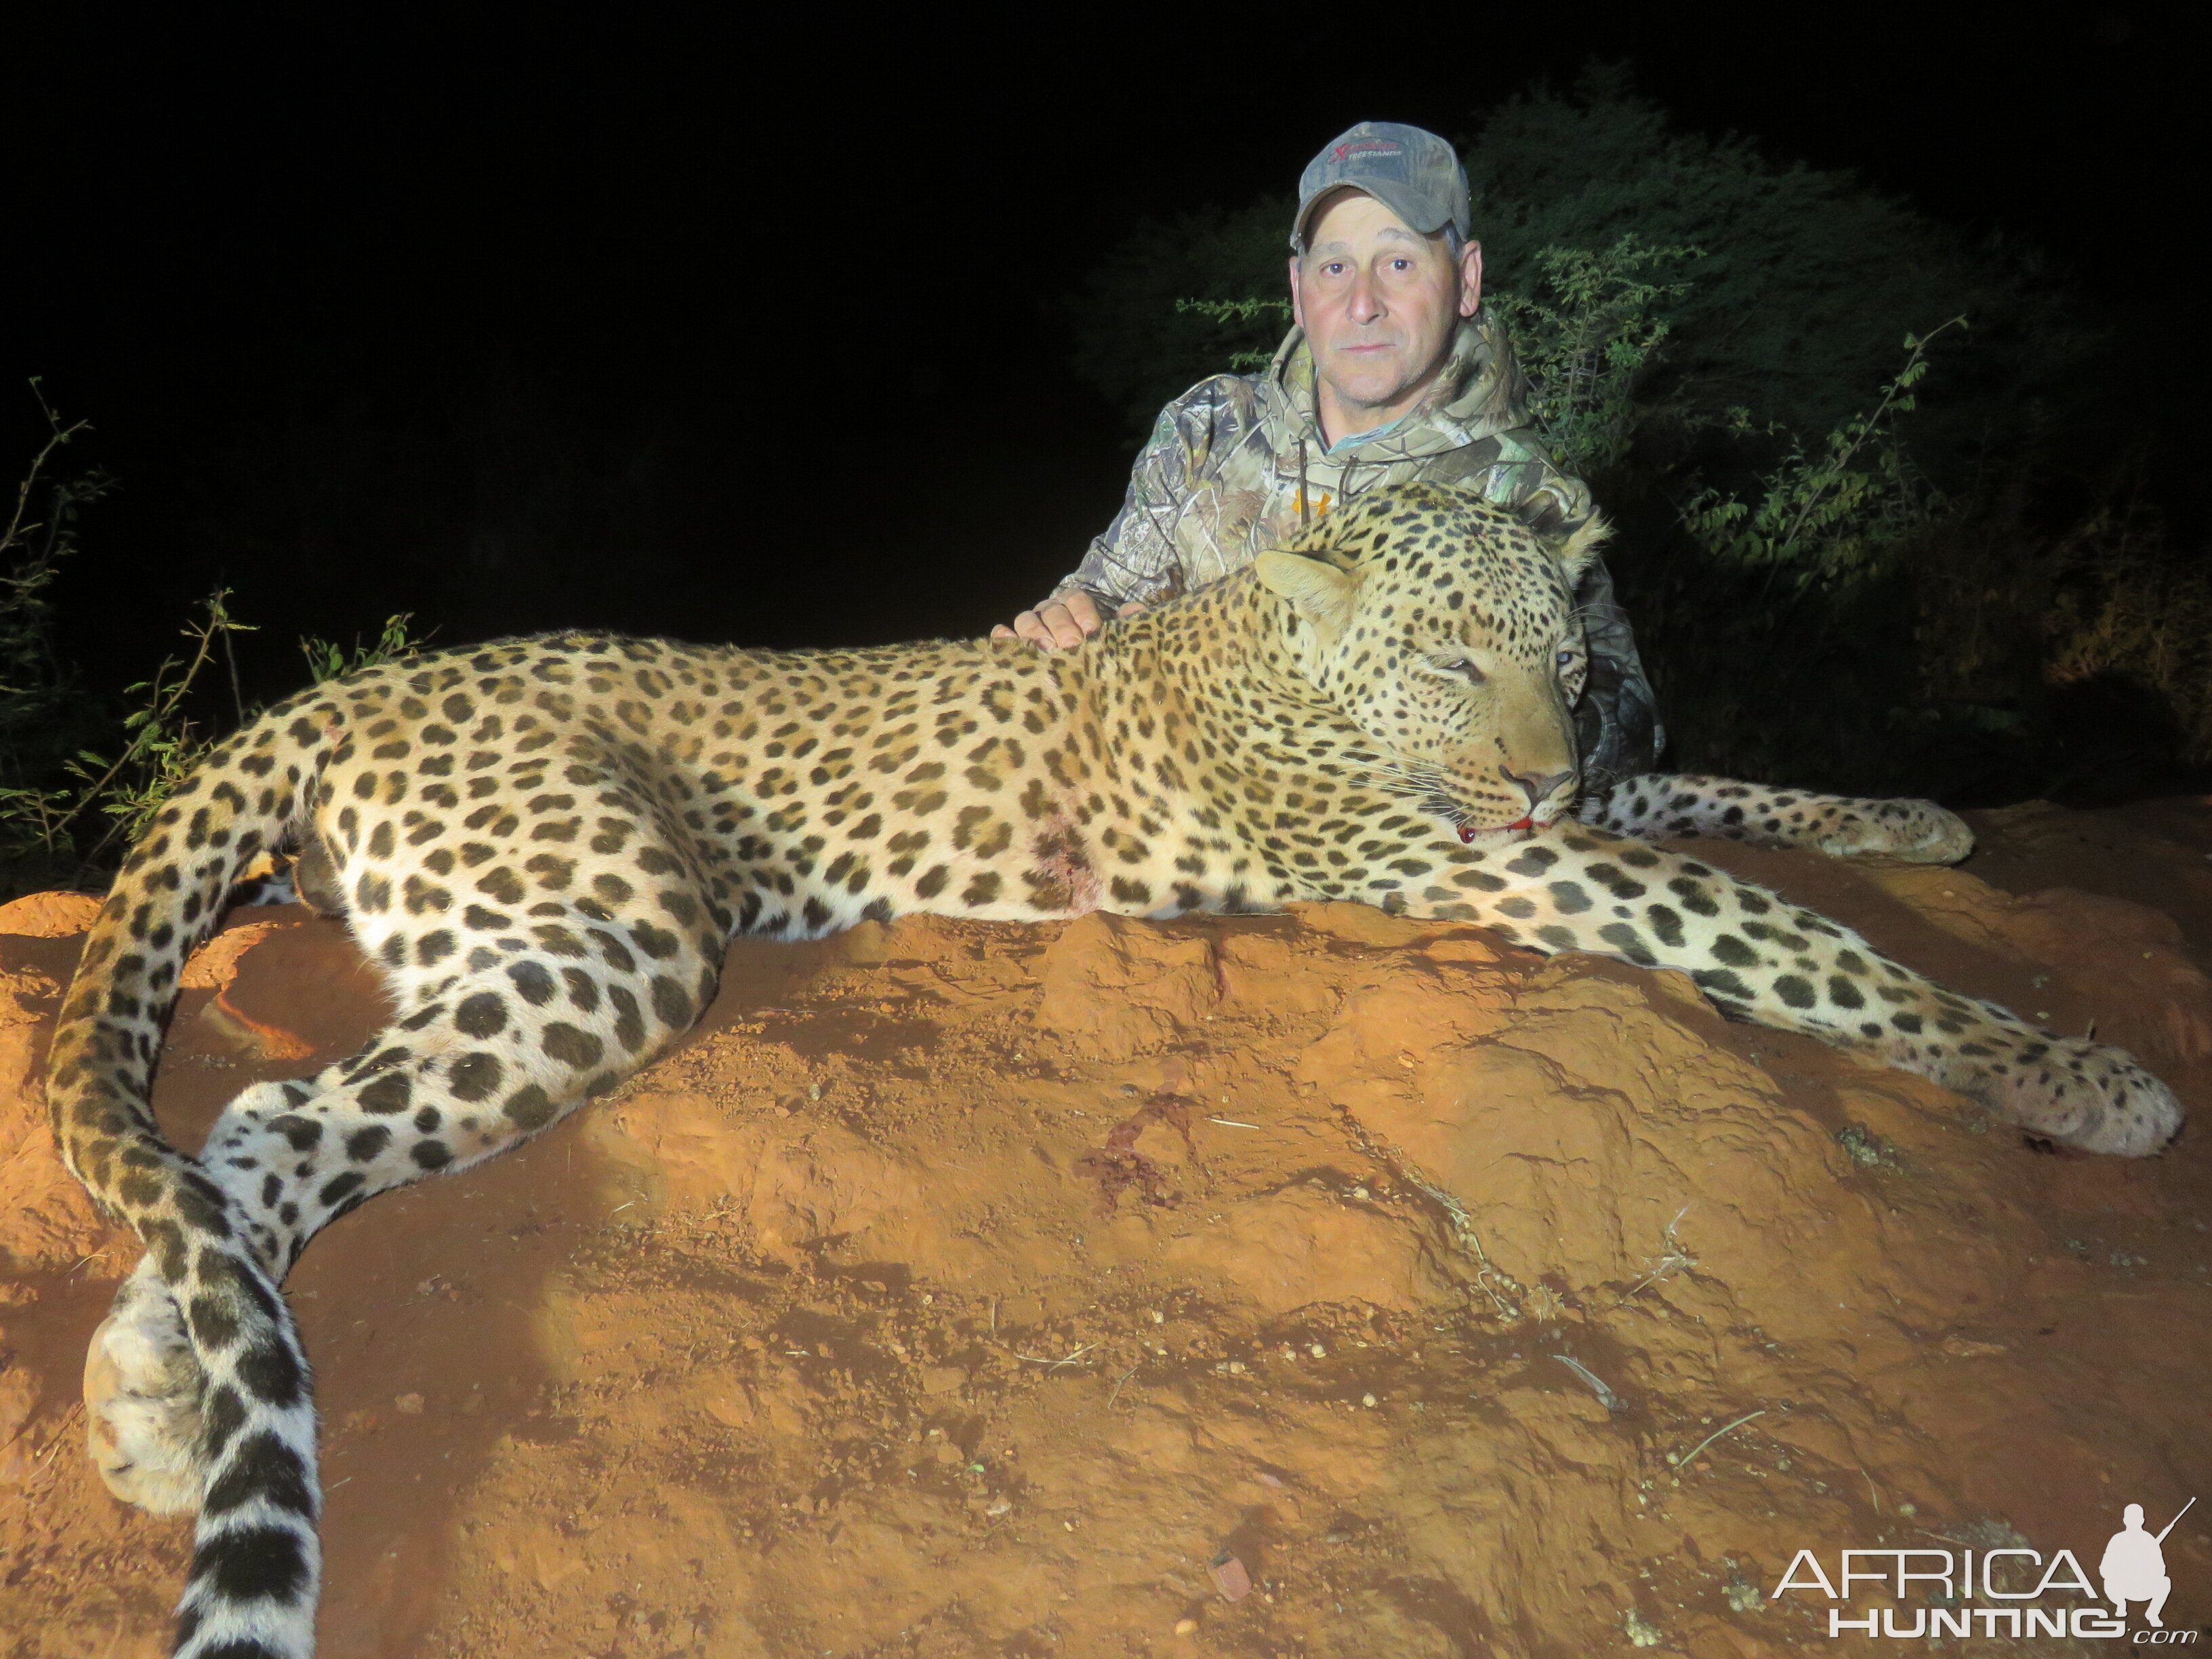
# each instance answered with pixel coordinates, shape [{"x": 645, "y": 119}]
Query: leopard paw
[
  {"x": 142, "y": 1389},
  {"x": 2097, "y": 1099},
  {"x": 1917, "y": 831}
]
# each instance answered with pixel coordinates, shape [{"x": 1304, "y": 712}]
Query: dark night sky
[{"x": 825, "y": 263}]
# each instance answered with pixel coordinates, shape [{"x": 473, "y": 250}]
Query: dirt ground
[{"x": 967, "y": 1288}]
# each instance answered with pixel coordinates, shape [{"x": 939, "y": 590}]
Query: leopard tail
[{"x": 257, "y": 1563}]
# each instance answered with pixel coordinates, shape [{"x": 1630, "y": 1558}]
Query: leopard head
[{"x": 1445, "y": 628}]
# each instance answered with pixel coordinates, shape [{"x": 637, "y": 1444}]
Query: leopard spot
[
  {"x": 528, "y": 1108},
  {"x": 485, "y": 1014},
  {"x": 578, "y": 1050},
  {"x": 474, "y": 1076},
  {"x": 1728, "y": 948}
]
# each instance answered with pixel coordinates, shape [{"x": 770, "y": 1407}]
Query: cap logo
[{"x": 1366, "y": 147}]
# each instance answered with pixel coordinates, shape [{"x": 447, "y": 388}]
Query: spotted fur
[
  {"x": 1663, "y": 806},
  {"x": 547, "y": 844}
]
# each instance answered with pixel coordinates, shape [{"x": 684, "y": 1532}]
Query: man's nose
[{"x": 1366, "y": 302}]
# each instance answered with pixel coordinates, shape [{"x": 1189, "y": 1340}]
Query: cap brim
[{"x": 1410, "y": 206}]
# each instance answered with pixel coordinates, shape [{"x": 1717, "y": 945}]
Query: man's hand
[{"x": 1062, "y": 624}]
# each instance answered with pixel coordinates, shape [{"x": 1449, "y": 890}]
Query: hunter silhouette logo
[
  {"x": 2134, "y": 1567},
  {"x": 1936, "y": 1591}
]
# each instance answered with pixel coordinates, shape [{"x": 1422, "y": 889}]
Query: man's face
[{"x": 1379, "y": 302}]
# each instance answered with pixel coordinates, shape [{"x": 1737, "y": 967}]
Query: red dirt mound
[{"x": 1321, "y": 1284}]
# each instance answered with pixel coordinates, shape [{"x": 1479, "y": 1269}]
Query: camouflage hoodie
[{"x": 1237, "y": 462}]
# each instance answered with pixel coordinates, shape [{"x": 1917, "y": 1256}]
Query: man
[{"x": 1392, "y": 371}]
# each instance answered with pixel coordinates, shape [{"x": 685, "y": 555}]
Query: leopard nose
[{"x": 1538, "y": 786}]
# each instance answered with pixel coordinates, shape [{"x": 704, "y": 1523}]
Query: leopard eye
[
  {"x": 1465, "y": 665},
  {"x": 1566, "y": 659}
]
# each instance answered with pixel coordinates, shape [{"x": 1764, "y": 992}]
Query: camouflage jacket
[{"x": 1236, "y": 462}]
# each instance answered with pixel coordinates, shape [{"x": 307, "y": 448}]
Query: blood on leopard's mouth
[{"x": 1468, "y": 832}]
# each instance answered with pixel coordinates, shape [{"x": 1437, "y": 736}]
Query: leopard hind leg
[
  {"x": 533, "y": 1021},
  {"x": 478, "y": 1061},
  {"x": 220, "y": 1419}
]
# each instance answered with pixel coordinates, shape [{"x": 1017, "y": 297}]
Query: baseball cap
[{"x": 1411, "y": 172}]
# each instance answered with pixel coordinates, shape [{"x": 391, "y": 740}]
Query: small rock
[
  {"x": 1185, "y": 1626},
  {"x": 409, "y": 1405},
  {"x": 49, "y": 915},
  {"x": 1231, "y": 1579}
]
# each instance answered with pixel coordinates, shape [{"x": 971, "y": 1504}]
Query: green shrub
[
  {"x": 1588, "y": 333},
  {"x": 1837, "y": 510},
  {"x": 77, "y": 783}
]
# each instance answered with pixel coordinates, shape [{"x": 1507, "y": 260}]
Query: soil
[{"x": 1318, "y": 1285}]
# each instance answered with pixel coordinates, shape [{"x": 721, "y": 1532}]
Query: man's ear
[
  {"x": 1470, "y": 279},
  {"x": 1322, "y": 592},
  {"x": 1297, "y": 296}
]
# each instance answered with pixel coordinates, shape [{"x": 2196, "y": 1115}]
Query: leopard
[{"x": 546, "y": 846}]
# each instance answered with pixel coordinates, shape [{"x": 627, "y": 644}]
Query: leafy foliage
[
  {"x": 41, "y": 709},
  {"x": 1240, "y": 315},
  {"x": 1586, "y": 335},
  {"x": 329, "y": 660},
  {"x": 1832, "y": 510},
  {"x": 76, "y": 785},
  {"x": 161, "y": 742},
  {"x": 47, "y": 822},
  {"x": 1178, "y": 300},
  {"x": 2126, "y": 608},
  {"x": 1803, "y": 279},
  {"x": 34, "y": 688}
]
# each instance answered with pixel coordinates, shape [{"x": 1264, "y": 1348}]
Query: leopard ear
[
  {"x": 1577, "y": 549},
  {"x": 1322, "y": 592}
]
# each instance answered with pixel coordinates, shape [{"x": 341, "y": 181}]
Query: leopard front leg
[
  {"x": 1762, "y": 959},
  {"x": 1660, "y": 807}
]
